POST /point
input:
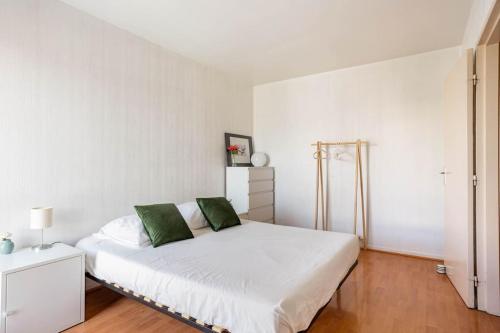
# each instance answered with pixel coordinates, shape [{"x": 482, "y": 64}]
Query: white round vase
[{"x": 259, "y": 159}]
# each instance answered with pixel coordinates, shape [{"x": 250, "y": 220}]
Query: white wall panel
[
  {"x": 94, "y": 120},
  {"x": 397, "y": 106}
]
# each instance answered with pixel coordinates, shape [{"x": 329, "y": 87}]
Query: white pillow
[
  {"x": 127, "y": 230},
  {"x": 192, "y": 215}
]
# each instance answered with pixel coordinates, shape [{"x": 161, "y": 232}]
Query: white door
[{"x": 458, "y": 172}]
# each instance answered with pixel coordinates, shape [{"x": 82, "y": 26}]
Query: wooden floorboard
[{"x": 385, "y": 293}]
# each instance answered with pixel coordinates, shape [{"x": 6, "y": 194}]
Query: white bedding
[{"x": 256, "y": 277}]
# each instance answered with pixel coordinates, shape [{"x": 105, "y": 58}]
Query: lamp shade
[{"x": 41, "y": 217}]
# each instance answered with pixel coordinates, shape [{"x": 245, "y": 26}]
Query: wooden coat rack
[{"x": 319, "y": 155}]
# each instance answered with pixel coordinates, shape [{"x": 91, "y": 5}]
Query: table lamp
[{"x": 41, "y": 218}]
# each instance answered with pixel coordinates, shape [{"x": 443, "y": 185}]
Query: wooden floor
[{"x": 384, "y": 293}]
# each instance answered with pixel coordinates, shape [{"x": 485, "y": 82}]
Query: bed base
[
  {"x": 185, "y": 318},
  {"x": 324, "y": 306},
  {"x": 191, "y": 321}
]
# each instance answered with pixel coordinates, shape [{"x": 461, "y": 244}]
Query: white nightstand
[{"x": 42, "y": 292}]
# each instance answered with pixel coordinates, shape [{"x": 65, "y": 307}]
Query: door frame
[{"x": 487, "y": 161}]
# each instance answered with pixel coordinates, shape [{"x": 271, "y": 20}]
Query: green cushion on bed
[
  {"x": 218, "y": 212},
  {"x": 163, "y": 223}
]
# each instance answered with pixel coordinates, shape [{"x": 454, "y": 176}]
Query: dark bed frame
[{"x": 191, "y": 321}]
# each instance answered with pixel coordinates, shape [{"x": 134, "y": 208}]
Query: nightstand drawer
[{"x": 46, "y": 298}]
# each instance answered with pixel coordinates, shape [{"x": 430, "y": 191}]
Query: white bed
[{"x": 256, "y": 277}]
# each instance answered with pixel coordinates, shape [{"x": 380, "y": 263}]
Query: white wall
[
  {"x": 478, "y": 17},
  {"x": 396, "y": 105},
  {"x": 94, "y": 120}
]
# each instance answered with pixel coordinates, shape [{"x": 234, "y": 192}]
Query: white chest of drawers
[
  {"x": 43, "y": 291},
  {"x": 251, "y": 192}
]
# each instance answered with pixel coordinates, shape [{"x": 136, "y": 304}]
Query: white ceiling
[{"x": 268, "y": 40}]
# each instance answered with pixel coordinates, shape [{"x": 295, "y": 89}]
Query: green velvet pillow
[
  {"x": 163, "y": 223},
  {"x": 218, "y": 212}
]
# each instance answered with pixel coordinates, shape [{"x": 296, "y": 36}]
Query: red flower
[{"x": 233, "y": 148}]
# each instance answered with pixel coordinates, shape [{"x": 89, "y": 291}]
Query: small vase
[
  {"x": 6, "y": 246},
  {"x": 233, "y": 160}
]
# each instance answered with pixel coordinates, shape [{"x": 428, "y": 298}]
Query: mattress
[{"x": 256, "y": 277}]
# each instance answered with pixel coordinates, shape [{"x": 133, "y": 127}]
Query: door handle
[
  {"x": 444, "y": 173},
  {"x": 8, "y": 313}
]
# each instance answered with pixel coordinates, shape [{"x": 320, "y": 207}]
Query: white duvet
[{"x": 254, "y": 278}]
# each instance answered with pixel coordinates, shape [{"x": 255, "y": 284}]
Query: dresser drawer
[
  {"x": 260, "y": 174},
  {"x": 261, "y": 186},
  {"x": 261, "y": 214},
  {"x": 261, "y": 199}
]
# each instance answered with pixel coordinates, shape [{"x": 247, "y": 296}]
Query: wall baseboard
[{"x": 411, "y": 254}]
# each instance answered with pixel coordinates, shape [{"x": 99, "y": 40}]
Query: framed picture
[{"x": 242, "y": 149}]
